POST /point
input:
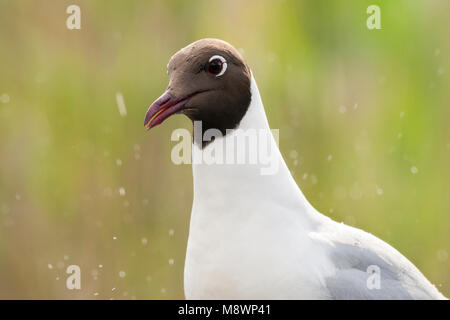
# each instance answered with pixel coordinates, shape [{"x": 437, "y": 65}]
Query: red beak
[{"x": 162, "y": 108}]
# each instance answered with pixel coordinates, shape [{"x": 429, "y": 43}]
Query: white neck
[
  {"x": 222, "y": 182},
  {"x": 241, "y": 219}
]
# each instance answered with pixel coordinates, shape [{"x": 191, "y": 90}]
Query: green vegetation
[{"x": 363, "y": 117}]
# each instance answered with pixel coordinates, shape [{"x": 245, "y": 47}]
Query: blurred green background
[{"x": 363, "y": 117}]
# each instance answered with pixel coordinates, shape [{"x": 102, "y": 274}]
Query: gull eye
[{"x": 217, "y": 65}]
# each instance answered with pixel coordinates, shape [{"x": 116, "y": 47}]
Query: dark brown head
[{"x": 209, "y": 82}]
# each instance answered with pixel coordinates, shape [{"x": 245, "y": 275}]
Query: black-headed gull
[{"x": 254, "y": 235}]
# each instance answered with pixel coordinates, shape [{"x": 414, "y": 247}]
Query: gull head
[{"x": 209, "y": 81}]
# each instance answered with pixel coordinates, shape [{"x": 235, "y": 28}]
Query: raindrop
[
  {"x": 121, "y": 104},
  {"x": 379, "y": 191},
  {"x": 442, "y": 255},
  {"x": 4, "y": 98}
]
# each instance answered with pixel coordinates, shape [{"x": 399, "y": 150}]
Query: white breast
[{"x": 240, "y": 220}]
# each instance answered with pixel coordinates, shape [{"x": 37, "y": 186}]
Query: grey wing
[{"x": 363, "y": 273}]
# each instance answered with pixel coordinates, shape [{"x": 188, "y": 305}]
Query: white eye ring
[{"x": 224, "y": 64}]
